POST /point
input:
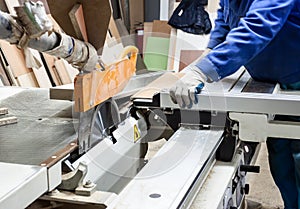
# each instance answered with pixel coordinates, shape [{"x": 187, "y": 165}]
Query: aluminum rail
[{"x": 241, "y": 102}]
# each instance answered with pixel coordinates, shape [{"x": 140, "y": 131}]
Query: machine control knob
[{"x": 250, "y": 168}]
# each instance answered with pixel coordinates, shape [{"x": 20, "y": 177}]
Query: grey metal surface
[
  {"x": 44, "y": 127},
  {"x": 241, "y": 102},
  {"x": 21, "y": 184},
  {"x": 169, "y": 175}
]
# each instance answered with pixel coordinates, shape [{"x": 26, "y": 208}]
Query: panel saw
[{"x": 92, "y": 152}]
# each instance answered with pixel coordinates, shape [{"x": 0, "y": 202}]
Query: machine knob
[{"x": 250, "y": 168}]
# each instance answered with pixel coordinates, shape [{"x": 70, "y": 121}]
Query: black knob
[{"x": 250, "y": 168}]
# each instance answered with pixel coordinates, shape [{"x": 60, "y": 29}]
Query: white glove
[{"x": 183, "y": 92}]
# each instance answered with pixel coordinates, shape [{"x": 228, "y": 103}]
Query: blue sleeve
[
  {"x": 221, "y": 29},
  {"x": 262, "y": 22}
]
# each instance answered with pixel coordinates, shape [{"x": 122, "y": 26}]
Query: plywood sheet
[{"x": 96, "y": 13}]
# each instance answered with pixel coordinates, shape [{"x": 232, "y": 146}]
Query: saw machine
[
  {"x": 91, "y": 150},
  {"x": 208, "y": 149}
]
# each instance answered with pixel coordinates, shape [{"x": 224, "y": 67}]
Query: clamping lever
[{"x": 198, "y": 90}]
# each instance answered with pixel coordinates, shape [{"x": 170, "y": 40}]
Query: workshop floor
[{"x": 262, "y": 187}]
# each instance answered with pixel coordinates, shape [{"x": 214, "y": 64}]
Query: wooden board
[
  {"x": 62, "y": 71},
  {"x": 10, "y": 4},
  {"x": 96, "y": 13},
  {"x": 3, "y": 6},
  {"x": 136, "y": 13},
  {"x": 27, "y": 80},
  {"x": 7, "y": 69},
  {"x": 78, "y": 22},
  {"x": 165, "y": 81},
  {"x": 50, "y": 60},
  {"x": 3, "y": 111},
  {"x": 64, "y": 92},
  {"x": 188, "y": 56},
  {"x": 93, "y": 88},
  {"x": 114, "y": 30},
  {"x": 8, "y": 120},
  {"x": 3, "y": 76},
  {"x": 172, "y": 48},
  {"x": 15, "y": 58},
  {"x": 147, "y": 33},
  {"x": 160, "y": 28},
  {"x": 156, "y": 53},
  {"x": 40, "y": 73}
]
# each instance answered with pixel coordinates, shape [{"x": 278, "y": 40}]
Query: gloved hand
[{"x": 183, "y": 92}]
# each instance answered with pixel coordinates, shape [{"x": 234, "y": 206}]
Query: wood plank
[
  {"x": 136, "y": 13},
  {"x": 3, "y": 76},
  {"x": 172, "y": 48},
  {"x": 114, "y": 30},
  {"x": 62, "y": 71},
  {"x": 91, "y": 89},
  {"x": 3, "y": 6},
  {"x": 15, "y": 58},
  {"x": 8, "y": 120},
  {"x": 77, "y": 20},
  {"x": 10, "y": 4},
  {"x": 64, "y": 92},
  {"x": 96, "y": 13},
  {"x": 50, "y": 60},
  {"x": 188, "y": 56},
  {"x": 167, "y": 80},
  {"x": 73, "y": 72},
  {"x": 40, "y": 73},
  {"x": 161, "y": 28},
  {"x": 3, "y": 111},
  {"x": 147, "y": 33},
  {"x": 27, "y": 80},
  {"x": 7, "y": 69}
]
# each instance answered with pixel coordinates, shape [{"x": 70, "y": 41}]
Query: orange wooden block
[{"x": 93, "y": 88}]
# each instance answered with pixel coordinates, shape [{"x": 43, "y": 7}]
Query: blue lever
[{"x": 198, "y": 90}]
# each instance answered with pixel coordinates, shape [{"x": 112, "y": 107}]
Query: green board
[{"x": 156, "y": 53}]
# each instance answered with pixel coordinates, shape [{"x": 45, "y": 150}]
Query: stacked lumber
[{"x": 17, "y": 67}]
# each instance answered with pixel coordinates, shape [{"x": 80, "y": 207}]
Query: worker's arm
[
  {"x": 260, "y": 25},
  {"x": 221, "y": 29}
]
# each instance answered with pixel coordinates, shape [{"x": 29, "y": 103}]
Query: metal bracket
[
  {"x": 258, "y": 127},
  {"x": 74, "y": 181}
]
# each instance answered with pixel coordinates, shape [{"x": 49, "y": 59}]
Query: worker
[{"x": 263, "y": 36}]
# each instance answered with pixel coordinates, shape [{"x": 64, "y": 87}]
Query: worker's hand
[{"x": 183, "y": 92}]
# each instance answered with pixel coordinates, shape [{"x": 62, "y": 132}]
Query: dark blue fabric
[
  {"x": 284, "y": 160},
  {"x": 191, "y": 17},
  {"x": 261, "y": 35}
]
